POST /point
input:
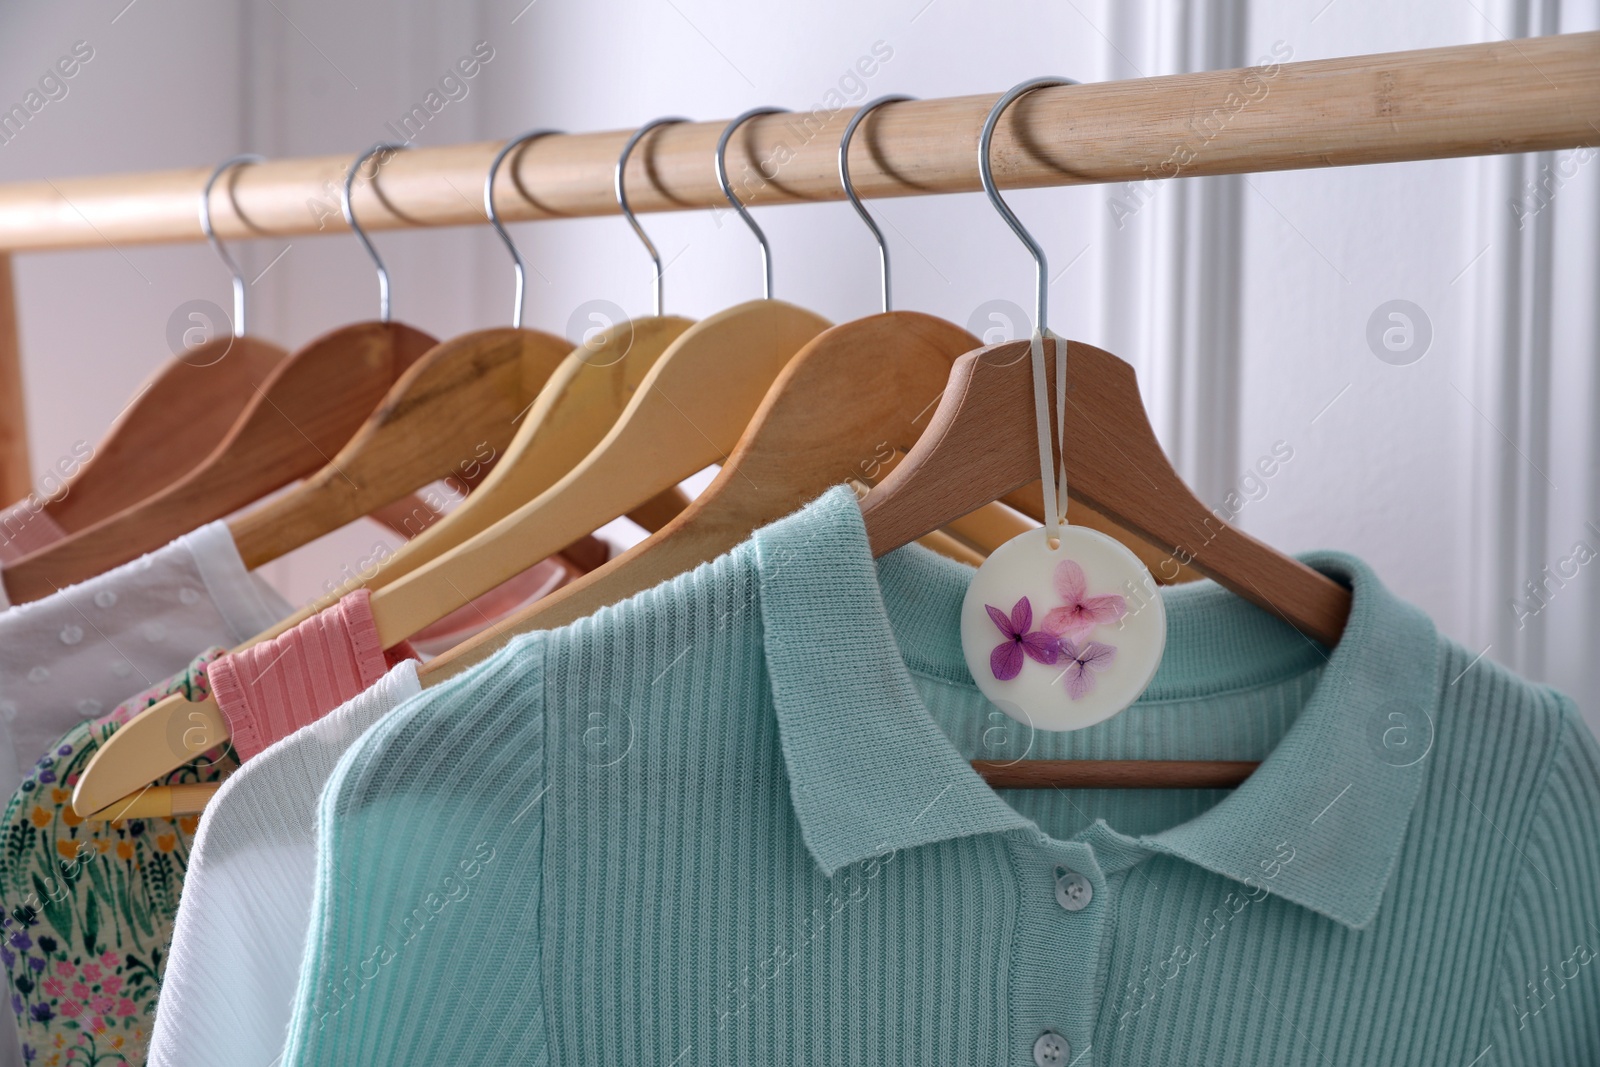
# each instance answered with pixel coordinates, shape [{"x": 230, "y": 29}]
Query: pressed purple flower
[
  {"x": 1082, "y": 665},
  {"x": 36, "y": 963},
  {"x": 1006, "y": 659},
  {"x": 21, "y": 940},
  {"x": 47, "y": 776},
  {"x": 42, "y": 1013},
  {"x": 8, "y": 957}
]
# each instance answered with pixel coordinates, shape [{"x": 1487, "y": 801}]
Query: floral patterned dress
[{"x": 89, "y": 906}]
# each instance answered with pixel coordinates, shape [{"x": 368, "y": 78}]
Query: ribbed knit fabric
[
  {"x": 26, "y": 527},
  {"x": 237, "y": 944},
  {"x": 731, "y": 821},
  {"x": 271, "y": 689}
]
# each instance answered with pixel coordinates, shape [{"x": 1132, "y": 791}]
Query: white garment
[
  {"x": 80, "y": 652},
  {"x": 241, "y": 927}
]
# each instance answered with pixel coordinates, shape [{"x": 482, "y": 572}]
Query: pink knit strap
[{"x": 271, "y": 689}]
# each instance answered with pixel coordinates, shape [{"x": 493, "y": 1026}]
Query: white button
[
  {"x": 1073, "y": 891},
  {"x": 1051, "y": 1050}
]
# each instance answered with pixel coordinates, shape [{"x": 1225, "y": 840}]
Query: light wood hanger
[
  {"x": 843, "y": 408},
  {"x": 299, "y": 415},
  {"x": 686, "y": 414},
  {"x": 982, "y": 444},
  {"x": 457, "y": 400},
  {"x": 145, "y": 449}
]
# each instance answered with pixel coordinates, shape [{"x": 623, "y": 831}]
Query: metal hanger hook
[
  {"x": 986, "y": 175},
  {"x": 622, "y": 197},
  {"x": 727, "y": 190},
  {"x": 850, "y": 189},
  {"x": 494, "y": 217},
  {"x": 211, "y": 235},
  {"x": 361, "y": 235}
]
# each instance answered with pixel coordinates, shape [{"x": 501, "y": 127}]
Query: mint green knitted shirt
[{"x": 732, "y": 821}]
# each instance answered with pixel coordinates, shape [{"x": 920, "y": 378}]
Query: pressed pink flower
[
  {"x": 1080, "y": 614},
  {"x": 125, "y": 1007},
  {"x": 1082, "y": 663},
  {"x": 71, "y": 1009},
  {"x": 53, "y": 986},
  {"x": 63, "y": 967},
  {"x": 91, "y": 971},
  {"x": 81, "y": 991},
  {"x": 1006, "y": 659},
  {"x": 102, "y": 1005},
  {"x": 110, "y": 959},
  {"x": 111, "y": 985}
]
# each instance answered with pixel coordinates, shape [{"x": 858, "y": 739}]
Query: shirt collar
[{"x": 1320, "y": 823}]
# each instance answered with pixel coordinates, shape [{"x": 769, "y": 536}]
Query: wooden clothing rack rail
[{"x": 1532, "y": 94}]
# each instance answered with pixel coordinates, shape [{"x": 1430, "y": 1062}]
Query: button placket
[{"x": 1064, "y": 911}]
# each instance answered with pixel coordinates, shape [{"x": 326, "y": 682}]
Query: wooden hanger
[
  {"x": 300, "y": 415},
  {"x": 456, "y": 403},
  {"x": 982, "y": 444},
  {"x": 146, "y": 449}
]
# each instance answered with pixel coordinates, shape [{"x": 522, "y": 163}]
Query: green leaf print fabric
[{"x": 89, "y": 906}]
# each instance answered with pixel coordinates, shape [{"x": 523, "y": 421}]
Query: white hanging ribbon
[{"x": 1052, "y": 475}]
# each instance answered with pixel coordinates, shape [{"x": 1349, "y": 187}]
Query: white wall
[{"x": 1244, "y": 302}]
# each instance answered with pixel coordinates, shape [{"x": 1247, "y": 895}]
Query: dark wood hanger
[
  {"x": 981, "y": 444},
  {"x": 146, "y": 449},
  {"x": 298, "y": 416}
]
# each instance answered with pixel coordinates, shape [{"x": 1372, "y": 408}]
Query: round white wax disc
[{"x": 1063, "y": 638}]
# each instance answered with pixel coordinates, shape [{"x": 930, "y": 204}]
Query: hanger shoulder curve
[
  {"x": 982, "y": 445},
  {"x": 302, "y": 413},
  {"x": 851, "y": 399},
  {"x": 449, "y": 412},
  {"x": 167, "y": 735},
  {"x": 688, "y": 413},
  {"x": 573, "y": 411},
  {"x": 1164, "y": 567},
  {"x": 146, "y": 448}
]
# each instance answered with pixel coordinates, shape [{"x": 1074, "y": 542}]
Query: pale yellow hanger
[{"x": 687, "y": 414}]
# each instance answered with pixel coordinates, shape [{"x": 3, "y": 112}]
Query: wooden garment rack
[{"x": 1533, "y": 94}]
